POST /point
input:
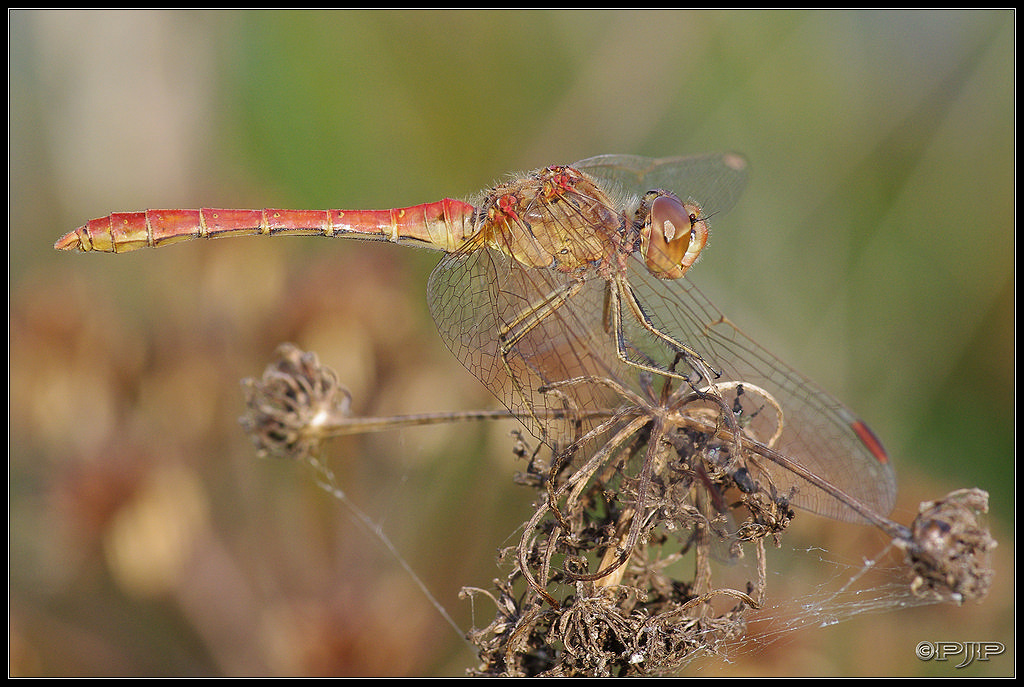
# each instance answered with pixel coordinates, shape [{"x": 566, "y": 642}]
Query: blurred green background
[{"x": 873, "y": 250}]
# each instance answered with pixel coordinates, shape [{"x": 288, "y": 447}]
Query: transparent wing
[
  {"x": 817, "y": 431},
  {"x": 477, "y": 296},
  {"x": 715, "y": 181}
]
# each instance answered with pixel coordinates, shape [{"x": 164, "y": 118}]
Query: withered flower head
[
  {"x": 289, "y": 408},
  {"x": 949, "y": 550}
]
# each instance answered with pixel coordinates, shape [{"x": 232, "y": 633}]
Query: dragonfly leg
[{"x": 619, "y": 290}]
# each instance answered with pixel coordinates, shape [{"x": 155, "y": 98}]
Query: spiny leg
[{"x": 619, "y": 290}]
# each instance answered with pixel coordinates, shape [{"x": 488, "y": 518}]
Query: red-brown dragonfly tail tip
[{"x": 70, "y": 241}]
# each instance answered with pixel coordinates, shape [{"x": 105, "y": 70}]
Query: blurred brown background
[{"x": 873, "y": 250}]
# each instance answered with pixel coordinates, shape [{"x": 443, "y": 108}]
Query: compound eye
[
  {"x": 675, "y": 237},
  {"x": 669, "y": 218}
]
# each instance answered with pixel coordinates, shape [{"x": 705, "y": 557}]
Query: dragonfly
[{"x": 561, "y": 287}]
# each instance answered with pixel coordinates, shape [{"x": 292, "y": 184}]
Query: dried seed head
[
  {"x": 288, "y": 408},
  {"x": 949, "y": 550}
]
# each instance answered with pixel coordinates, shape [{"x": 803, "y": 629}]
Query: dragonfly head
[{"x": 673, "y": 234}]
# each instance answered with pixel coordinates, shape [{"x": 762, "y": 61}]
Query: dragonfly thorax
[{"x": 555, "y": 218}]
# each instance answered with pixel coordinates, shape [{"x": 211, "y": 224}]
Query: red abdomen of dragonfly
[{"x": 443, "y": 225}]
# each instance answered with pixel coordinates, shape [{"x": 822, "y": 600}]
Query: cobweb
[{"x": 830, "y": 589}]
